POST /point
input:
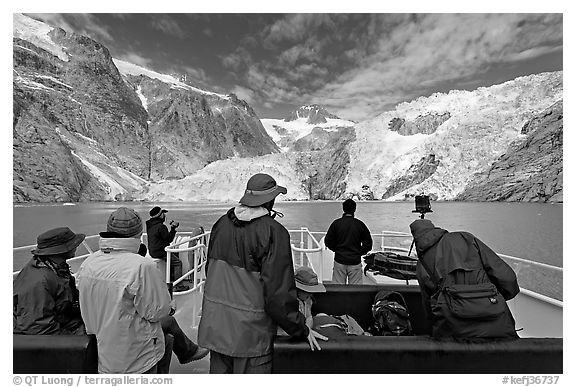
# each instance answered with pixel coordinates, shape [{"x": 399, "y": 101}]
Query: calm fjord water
[{"x": 527, "y": 230}]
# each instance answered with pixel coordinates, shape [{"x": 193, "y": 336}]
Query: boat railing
[{"x": 309, "y": 249}]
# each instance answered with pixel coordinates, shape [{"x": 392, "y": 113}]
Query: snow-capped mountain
[
  {"x": 435, "y": 145},
  {"x": 471, "y": 129},
  {"x": 90, "y": 127},
  {"x": 301, "y": 123}
]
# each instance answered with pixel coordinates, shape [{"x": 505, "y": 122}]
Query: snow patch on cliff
[{"x": 36, "y": 32}]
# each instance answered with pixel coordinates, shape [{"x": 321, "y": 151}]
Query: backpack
[
  {"x": 391, "y": 316},
  {"x": 391, "y": 265},
  {"x": 467, "y": 310}
]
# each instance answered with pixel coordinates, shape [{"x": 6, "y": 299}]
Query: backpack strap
[{"x": 431, "y": 273}]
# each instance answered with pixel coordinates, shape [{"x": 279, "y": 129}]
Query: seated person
[
  {"x": 330, "y": 326},
  {"x": 44, "y": 292}
]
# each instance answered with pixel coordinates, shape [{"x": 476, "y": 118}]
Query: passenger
[
  {"x": 459, "y": 258},
  {"x": 349, "y": 238},
  {"x": 306, "y": 284},
  {"x": 250, "y": 287},
  {"x": 44, "y": 292},
  {"x": 333, "y": 327},
  {"x": 124, "y": 300},
  {"x": 159, "y": 238}
]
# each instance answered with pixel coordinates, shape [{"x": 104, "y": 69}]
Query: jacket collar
[
  {"x": 247, "y": 214},
  {"x": 119, "y": 244}
]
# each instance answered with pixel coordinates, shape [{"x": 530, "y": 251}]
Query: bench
[
  {"x": 419, "y": 354},
  {"x": 55, "y": 354}
]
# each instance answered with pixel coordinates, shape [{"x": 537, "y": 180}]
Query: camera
[
  {"x": 422, "y": 203},
  {"x": 174, "y": 224}
]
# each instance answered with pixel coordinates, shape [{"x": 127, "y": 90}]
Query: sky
[{"x": 357, "y": 65}]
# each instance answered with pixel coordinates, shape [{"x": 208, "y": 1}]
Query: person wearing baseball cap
[
  {"x": 250, "y": 250},
  {"x": 44, "y": 292},
  {"x": 159, "y": 238}
]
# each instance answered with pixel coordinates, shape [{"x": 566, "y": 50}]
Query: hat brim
[
  {"x": 61, "y": 249},
  {"x": 318, "y": 288},
  {"x": 252, "y": 200}
]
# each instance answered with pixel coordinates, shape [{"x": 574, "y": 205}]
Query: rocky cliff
[
  {"x": 72, "y": 111},
  {"x": 531, "y": 169},
  {"x": 83, "y": 130}
]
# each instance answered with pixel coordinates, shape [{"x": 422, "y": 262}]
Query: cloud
[
  {"x": 80, "y": 23},
  {"x": 134, "y": 58},
  {"x": 435, "y": 49},
  {"x": 169, "y": 26},
  {"x": 244, "y": 93}
]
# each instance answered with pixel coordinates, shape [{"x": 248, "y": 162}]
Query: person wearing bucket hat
[
  {"x": 460, "y": 260},
  {"x": 250, "y": 251},
  {"x": 159, "y": 238},
  {"x": 349, "y": 238},
  {"x": 307, "y": 283},
  {"x": 44, "y": 292},
  {"x": 123, "y": 298}
]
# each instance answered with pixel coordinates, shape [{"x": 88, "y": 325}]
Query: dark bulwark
[
  {"x": 55, "y": 354},
  {"x": 419, "y": 354}
]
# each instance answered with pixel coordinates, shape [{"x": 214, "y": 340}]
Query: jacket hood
[
  {"x": 119, "y": 244},
  {"x": 242, "y": 214},
  {"x": 425, "y": 235}
]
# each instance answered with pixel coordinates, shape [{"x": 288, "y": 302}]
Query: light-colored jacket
[{"x": 122, "y": 299}]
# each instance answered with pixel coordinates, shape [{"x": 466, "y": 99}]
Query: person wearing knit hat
[
  {"x": 460, "y": 259},
  {"x": 250, "y": 250},
  {"x": 349, "y": 238},
  {"x": 45, "y": 293},
  {"x": 123, "y": 298}
]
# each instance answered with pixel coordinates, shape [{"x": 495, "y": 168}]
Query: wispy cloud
[
  {"x": 168, "y": 25},
  {"x": 136, "y": 59},
  {"x": 83, "y": 24},
  {"x": 360, "y": 68}
]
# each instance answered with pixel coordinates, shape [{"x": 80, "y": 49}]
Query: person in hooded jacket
[
  {"x": 250, "y": 287},
  {"x": 461, "y": 258}
]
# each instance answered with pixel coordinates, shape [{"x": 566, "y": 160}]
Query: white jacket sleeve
[{"x": 152, "y": 300}]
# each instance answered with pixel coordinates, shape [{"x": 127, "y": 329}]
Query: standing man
[
  {"x": 159, "y": 238},
  {"x": 45, "y": 294},
  {"x": 123, "y": 299},
  {"x": 349, "y": 238},
  {"x": 250, "y": 286}
]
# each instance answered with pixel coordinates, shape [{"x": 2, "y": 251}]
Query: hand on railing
[{"x": 312, "y": 336}]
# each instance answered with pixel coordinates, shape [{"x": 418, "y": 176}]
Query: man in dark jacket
[
  {"x": 45, "y": 293},
  {"x": 349, "y": 238},
  {"x": 250, "y": 287},
  {"x": 460, "y": 258},
  {"x": 159, "y": 238}
]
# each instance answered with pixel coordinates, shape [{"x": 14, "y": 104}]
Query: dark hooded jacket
[
  {"x": 460, "y": 258},
  {"x": 158, "y": 237},
  {"x": 250, "y": 287}
]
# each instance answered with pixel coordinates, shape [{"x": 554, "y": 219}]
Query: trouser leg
[
  {"x": 339, "y": 273},
  {"x": 355, "y": 275},
  {"x": 183, "y": 347},
  {"x": 220, "y": 364},
  {"x": 163, "y": 366},
  {"x": 253, "y": 365}
]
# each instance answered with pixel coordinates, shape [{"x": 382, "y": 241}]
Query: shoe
[{"x": 199, "y": 354}]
